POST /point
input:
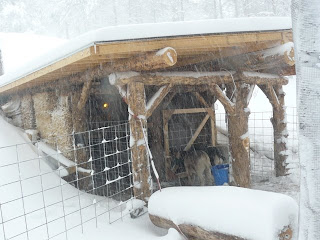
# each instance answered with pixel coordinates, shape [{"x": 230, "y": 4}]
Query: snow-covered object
[
  {"x": 306, "y": 33},
  {"x": 12, "y": 108},
  {"x": 247, "y": 213},
  {"x": 149, "y": 30}
]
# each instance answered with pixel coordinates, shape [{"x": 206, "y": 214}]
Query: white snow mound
[{"x": 247, "y": 213}]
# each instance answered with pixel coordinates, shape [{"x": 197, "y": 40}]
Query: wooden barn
[{"x": 158, "y": 77}]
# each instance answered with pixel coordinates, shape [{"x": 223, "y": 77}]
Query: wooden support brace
[
  {"x": 156, "y": 99},
  {"x": 212, "y": 114},
  {"x": 197, "y": 132},
  {"x": 123, "y": 93},
  {"x": 268, "y": 90},
  {"x": 225, "y": 101}
]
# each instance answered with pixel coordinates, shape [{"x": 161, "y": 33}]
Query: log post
[
  {"x": 238, "y": 134},
  {"x": 137, "y": 120},
  {"x": 276, "y": 95}
]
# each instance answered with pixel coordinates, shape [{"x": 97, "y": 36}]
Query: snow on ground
[
  {"x": 42, "y": 200},
  {"x": 222, "y": 209},
  {"x": 150, "y": 30}
]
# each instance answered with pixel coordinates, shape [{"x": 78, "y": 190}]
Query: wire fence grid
[
  {"x": 262, "y": 141},
  {"x": 37, "y": 202},
  {"x": 95, "y": 186}
]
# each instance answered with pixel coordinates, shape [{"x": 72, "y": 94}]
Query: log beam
[
  {"x": 282, "y": 55},
  {"x": 163, "y": 58},
  {"x": 194, "y": 78},
  {"x": 140, "y": 163}
]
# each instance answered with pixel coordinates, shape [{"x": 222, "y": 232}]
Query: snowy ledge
[{"x": 145, "y": 31}]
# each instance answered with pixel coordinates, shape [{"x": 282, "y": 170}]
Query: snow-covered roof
[{"x": 86, "y": 45}]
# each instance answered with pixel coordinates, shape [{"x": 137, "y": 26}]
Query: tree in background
[
  {"x": 1, "y": 64},
  {"x": 306, "y": 31},
  {"x": 69, "y": 18}
]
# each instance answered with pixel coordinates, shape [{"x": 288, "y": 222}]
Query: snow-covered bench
[{"x": 225, "y": 213}]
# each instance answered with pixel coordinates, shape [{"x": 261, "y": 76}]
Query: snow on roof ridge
[{"x": 145, "y": 31}]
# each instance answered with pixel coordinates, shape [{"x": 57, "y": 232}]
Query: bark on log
[
  {"x": 196, "y": 232},
  {"x": 280, "y": 134},
  {"x": 140, "y": 163},
  {"x": 238, "y": 134},
  {"x": 193, "y": 78}
]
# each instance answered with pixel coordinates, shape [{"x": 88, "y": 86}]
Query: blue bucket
[{"x": 220, "y": 174}]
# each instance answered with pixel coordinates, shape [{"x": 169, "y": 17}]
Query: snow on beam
[{"x": 263, "y": 78}]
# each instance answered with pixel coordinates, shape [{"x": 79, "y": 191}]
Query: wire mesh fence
[
  {"x": 51, "y": 188},
  {"x": 54, "y": 188},
  {"x": 262, "y": 141}
]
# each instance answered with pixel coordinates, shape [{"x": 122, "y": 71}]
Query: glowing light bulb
[{"x": 105, "y": 105}]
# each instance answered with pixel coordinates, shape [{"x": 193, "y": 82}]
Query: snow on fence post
[
  {"x": 139, "y": 158},
  {"x": 306, "y": 33}
]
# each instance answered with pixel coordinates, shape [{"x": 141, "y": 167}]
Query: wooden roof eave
[{"x": 187, "y": 46}]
